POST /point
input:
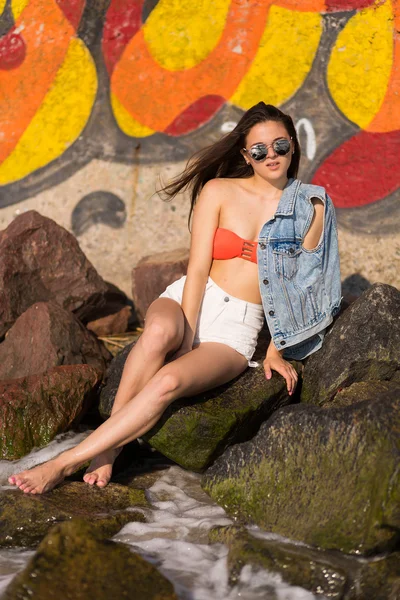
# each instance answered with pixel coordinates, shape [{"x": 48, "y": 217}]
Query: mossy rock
[
  {"x": 328, "y": 478},
  {"x": 25, "y": 518},
  {"x": 75, "y": 564},
  {"x": 362, "y": 345},
  {"x": 194, "y": 431},
  {"x": 332, "y": 574}
]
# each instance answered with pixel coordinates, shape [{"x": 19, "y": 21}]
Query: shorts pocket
[{"x": 286, "y": 258}]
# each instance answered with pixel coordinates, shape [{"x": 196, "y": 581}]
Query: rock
[
  {"x": 194, "y": 431},
  {"x": 73, "y": 563},
  {"x": 362, "y": 345},
  {"x": 328, "y": 478},
  {"x": 334, "y": 575},
  {"x": 47, "y": 336},
  {"x": 153, "y": 273},
  {"x": 25, "y": 518},
  {"x": 114, "y": 323},
  {"x": 41, "y": 261},
  {"x": 365, "y": 390},
  {"x": 113, "y": 377},
  {"x": 34, "y": 409}
]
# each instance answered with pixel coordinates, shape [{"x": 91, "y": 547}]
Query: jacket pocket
[{"x": 286, "y": 258}]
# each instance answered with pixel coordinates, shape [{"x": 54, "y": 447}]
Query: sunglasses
[{"x": 259, "y": 152}]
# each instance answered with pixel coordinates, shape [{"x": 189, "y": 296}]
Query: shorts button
[
  {"x": 265, "y": 281},
  {"x": 271, "y": 313},
  {"x": 263, "y": 246},
  {"x": 226, "y": 299},
  {"x": 283, "y": 343},
  {"x": 291, "y": 250}
]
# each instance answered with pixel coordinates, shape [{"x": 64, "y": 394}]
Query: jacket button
[
  {"x": 263, "y": 246},
  {"x": 271, "y": 312},
  {"x": 291, "y": 250},
  {"x": 283, "y": 343},
  {"x": 226, "y": 299},
  {"x": 265, "y": 281}
]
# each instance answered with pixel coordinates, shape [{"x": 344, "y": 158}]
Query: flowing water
[{"x": 175, "y": 538}]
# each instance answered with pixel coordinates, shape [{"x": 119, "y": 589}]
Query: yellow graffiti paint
[
  {"x": 181, "y": 33},
  {"x": 283, "y": 60},
  {"x": 361, "y": 62},
  {"x": 60, "y": 119},
  {"x": 128, "y": 124},
  {"x": 17, "y": 6},
  {"x": 2, "y": 5}
]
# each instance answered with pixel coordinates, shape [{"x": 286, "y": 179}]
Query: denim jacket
[{"x": 300, "y": 288}]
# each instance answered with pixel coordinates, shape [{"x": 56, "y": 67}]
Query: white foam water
[{"x": 175, "y": 538}]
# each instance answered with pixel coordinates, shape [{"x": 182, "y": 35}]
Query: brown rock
[
  {"x": 115, "y": 323},
  {"x": 41, "y": 261},
  {"x": 46, "y": 336},
  {"x": 34, "y": 409},
  {"x": 153, "y": 273}
]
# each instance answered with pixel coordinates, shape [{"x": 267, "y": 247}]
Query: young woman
[{"x": 263, "y": 245}]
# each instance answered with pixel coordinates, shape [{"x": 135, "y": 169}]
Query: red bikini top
[{"x": 229, "y": 245}]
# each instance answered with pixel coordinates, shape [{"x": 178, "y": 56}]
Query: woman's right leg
[{"x": 163, "y": 333}]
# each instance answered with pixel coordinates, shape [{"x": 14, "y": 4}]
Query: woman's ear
[{"x": 243, "y": 153}]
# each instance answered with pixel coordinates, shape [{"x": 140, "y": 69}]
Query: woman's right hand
[{"x": 274, "y": 362}]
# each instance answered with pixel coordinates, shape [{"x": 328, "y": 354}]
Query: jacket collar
[{"x": 288, "y": 198}]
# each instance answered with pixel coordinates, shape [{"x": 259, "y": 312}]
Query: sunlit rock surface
[
  {"x": 25, "y": 519},
  {"x": 74, "y": 563},
  {"x": 362, "y": 345},
  {"x": 329, "y": 478},
  {"x": 34, "y": 409}
]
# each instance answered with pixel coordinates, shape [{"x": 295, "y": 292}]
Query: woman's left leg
[{"x": 207, "y": 366}]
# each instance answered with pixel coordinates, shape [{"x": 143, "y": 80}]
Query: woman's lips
[{"x": 273, "y": 166}]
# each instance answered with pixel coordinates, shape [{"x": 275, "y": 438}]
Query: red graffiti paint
[
  {"x": 123, "y": 20},
  {"x": 195, "y": 115},
  {"x": 73, "y": 10},
  {"x": 12, "y": 50},
  {"x": 342, "y": 5},
  {"x": 363, "y": 170}
]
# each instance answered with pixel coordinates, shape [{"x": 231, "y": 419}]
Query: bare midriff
[{"x": 238, "y": 277}]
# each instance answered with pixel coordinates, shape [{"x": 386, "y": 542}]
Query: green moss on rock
[
  {"x": 327, "y": 478},
  {"x": 73, "y": 563},
  {"x": 25, "y": 519}
]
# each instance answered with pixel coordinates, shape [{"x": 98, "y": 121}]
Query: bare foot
[
  {"x": 42, "y": 478},
  {"x": 100, "y": 469}
]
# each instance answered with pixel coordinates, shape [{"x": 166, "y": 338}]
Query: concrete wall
[{"x": 101, "y": 98}]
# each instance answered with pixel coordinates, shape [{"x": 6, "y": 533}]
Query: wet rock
[
  {"x": 153, "y": 273},
  {"x": 34, "y": 409},
  {"x": 42, "y": 261},
  {"x": 194, "y": 431},
  {"x": 333, "y": 575},
  {"x": 75, "y": 564},
  {"x": 47, "y": 336},
  {"x": 114, "y": 323},
  {"x": 328, "y": 478},
  {"x": 25, "y": 518},
  {"x": 362, "y": 345}
]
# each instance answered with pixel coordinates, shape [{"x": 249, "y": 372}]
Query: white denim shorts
[{"x": 223, "y": 318}]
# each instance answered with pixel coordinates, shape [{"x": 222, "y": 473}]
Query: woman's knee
[
  {"x": 161, "y": 334},
  {"x": 168, "y": 384}
]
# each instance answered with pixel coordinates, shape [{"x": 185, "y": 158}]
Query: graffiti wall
[{"x": 99, "y": 99}]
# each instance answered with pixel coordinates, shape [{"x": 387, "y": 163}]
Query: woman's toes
[
  {"x": 101, "y": 483},
  {"x": 11, "y": 479}
]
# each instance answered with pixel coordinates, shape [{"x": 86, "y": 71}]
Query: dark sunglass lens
[
  {"x": 258, "y": 152},
  {"x": 281, "y": 147}
]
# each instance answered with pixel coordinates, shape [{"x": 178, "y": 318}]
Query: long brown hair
[{"x": 223, "y": 158}]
